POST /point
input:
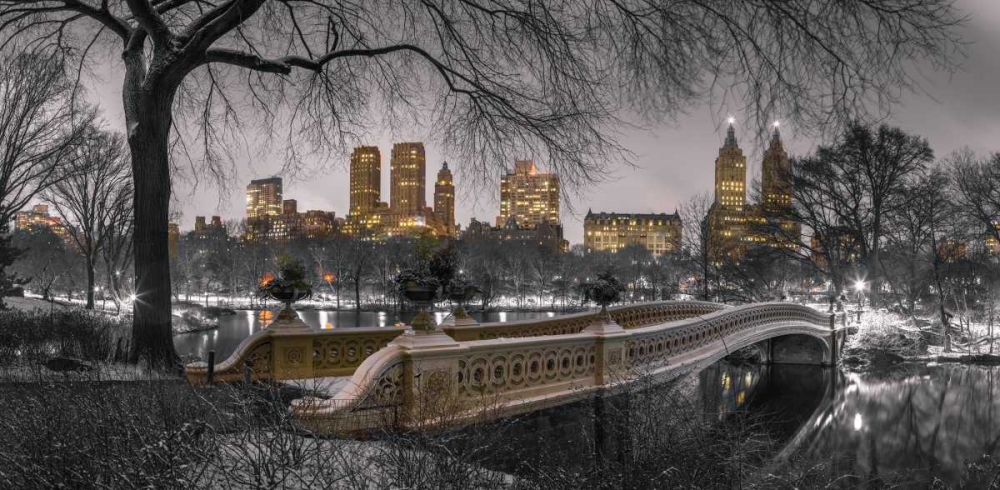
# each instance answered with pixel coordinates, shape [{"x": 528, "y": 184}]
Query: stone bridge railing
[
  {"x": 628, "y": 316},
  {"x": 416, "y": 374},
  {"x": 300, "y": 353}
]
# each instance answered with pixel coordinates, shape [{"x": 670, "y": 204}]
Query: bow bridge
[{"x": 392, "y": 375}]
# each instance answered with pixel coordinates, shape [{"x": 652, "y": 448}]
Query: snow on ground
[{"x": 29, "y": 304}]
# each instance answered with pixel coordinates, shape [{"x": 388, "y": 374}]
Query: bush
[
  {"x": 882, "y": 334},
  {"x": 35, "y": 336}
]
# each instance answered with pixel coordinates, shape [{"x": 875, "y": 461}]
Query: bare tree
[
  {"x": 496, "y": 77},
  {"x": 86, "y": 190},
  {"x": 117, "y": 248},
  {"x": 700, "y": 246},
  {"x": 976, "y": 189},
  {"x": 843, "y": 195},
  {"x": 39, "y": 124}
]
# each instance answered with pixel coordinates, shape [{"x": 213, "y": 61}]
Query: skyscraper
[
  {"x": 444, "y": 199},
  {"x": 407, "y": 176},
  {"x": 264, "y": 198},
  {"x": 777, "y": 176},
  {"x": 366, "y": 179},
  {"x": 730, "y": 173},
  {"x": 727, "y": 218},
  {"x": 529, "y": 197}
]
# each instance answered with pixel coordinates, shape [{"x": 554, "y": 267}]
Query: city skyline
[{"x": 674, "y": 159}]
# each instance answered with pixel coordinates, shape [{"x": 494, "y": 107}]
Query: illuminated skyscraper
[
  {"x": 444, "y": 199},
  {"x": 366, "y": 179},
  {"x": 407, "y": 177},
  {"x": 777, "y": 176},
  {"x": 730, "y": 173},
  {"x": 531, "y": 198},
  {"x": 264, "y": 198},
  {"x": 727, "y": 218}
]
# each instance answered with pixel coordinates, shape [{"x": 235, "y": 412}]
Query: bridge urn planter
[
  {"x": 423, "y": 296},
  {"x": 288, "y": 295},
  {"x": 288, "y": 287},
  {"x": 460, "y": 291}
]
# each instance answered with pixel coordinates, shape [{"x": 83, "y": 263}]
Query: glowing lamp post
[
  {"x": 859, "y": 288},
  {"x": 329, "y": 277}
]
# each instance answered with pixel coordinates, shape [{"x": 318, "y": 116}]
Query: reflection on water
[
  {"x": 913, "y": 423},
  {"x": 786, "y": 396},
  {"x": 234, "y": 328},
  {"x": 920, "y": 422}
]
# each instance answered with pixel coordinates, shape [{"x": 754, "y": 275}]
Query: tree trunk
[
  {"x": 148, "y": 115},
  {"x": 90, "y": 282},
  {"x": 357, "y": 295}
]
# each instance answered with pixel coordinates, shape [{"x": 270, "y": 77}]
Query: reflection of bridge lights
[
  {"x": 858, "y": 421},
  {"x": 740, "y": 398},
  {"x": 725, "y": 381},
  {"x": 748, "y": 379}
]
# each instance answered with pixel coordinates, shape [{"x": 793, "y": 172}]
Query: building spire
[
  {"x": 444, "y": 166},
  {"x": 730, "y": 135}
]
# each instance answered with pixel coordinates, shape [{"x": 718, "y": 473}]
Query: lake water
[
  {"x": 907, "y": 425},
  {"x": 234, "y": 328}
]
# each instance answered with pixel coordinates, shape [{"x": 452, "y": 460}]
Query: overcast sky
[{"x": 675, "y": 161}]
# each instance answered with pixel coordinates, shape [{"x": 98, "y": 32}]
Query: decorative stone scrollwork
[
  {"x": 260, "y": 359},
  {"x": 346, "y": 353},
  {"x": 385, "y": 391},
  {"x": 513, "y": 369}
]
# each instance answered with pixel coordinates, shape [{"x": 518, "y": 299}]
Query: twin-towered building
[
  {"x": 407, "y": 211},
  {"x": 734, "y": 225}
]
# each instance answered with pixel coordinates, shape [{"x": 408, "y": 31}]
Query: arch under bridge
[{"x": 394, "y": 376}]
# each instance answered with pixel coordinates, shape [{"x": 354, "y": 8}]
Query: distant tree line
[{"x": 349, "y": 272}]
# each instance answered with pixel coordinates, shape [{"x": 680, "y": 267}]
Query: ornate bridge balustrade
[
  {"x": 628, "y": 316},
  {"x": 296, "y": 352},
  {"x": 505, "y": 376}
]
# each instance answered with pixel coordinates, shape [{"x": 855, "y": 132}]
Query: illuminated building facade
[
  {"x": 736, "y": 225},
  {"x": 264, "y": 198},
  {"x": 407, "y": 212},
  {"x": 659, "y": 233},
  {"x": 39, "y": 217},
  {"x": 444, "y": 199},
  {"x": 407, "y": 177},
  {"x": 727, "y": 218},
  {"x": 269, "y": 217},
  {"x": 528, "y": 196},
  {"x": 776, "y": 181},
  {"x": 366, "y": 179}
]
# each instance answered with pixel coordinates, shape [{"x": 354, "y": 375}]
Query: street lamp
[{"x": 859, "y": 288}]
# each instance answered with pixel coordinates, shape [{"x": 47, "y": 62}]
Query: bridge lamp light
[{"x": 859, "y": 286}]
